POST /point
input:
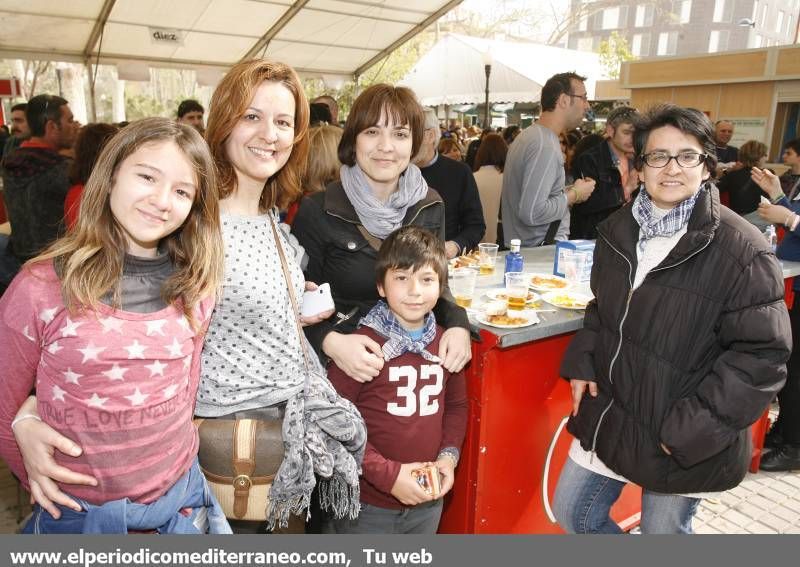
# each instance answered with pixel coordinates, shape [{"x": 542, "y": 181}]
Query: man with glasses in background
[
  {"x": 35, "y": 182},
  {"x": 610, "y": 164},
  {"x": 535, "y": 202},
  {"x": 683, "y": 347}
]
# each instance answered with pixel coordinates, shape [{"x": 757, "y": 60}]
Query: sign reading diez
[{"x": 166, "y": 35}]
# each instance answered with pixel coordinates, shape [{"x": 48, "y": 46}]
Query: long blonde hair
[
  {"x": 229, "y": 103},
  {"x": 323, "y": 163},
  {"x": 90, "y": 257}
]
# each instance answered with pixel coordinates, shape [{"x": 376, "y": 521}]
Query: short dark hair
[
  {"x": 622, "y": 115},
  {"x": 42, "y": 108},
  {"x": 793, "y": 145},
  {"x": 492, "y": 151},
  {"x": 556, "y": 86},
  {"x": 189, "y": 105},
  {"x": 398, "y": 102},
  {"x": 19, "y": 106},
  {"x": 510, "y": 133},
  {"x": 751, "y": 152},
  {"x": 688, "y": 120},
  {"x": 412, "y": 247},
  {"x": 319, "y": 112},
  {"x": 90, "y": 142}
]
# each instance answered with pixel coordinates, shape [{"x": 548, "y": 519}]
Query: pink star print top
[{"x": 122, "y": 385}]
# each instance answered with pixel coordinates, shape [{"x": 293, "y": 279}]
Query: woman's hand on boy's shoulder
[
  {"x": 455, "y": 348},
  {"x": 356, "y": 355}
]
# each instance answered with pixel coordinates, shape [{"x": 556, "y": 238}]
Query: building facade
[{"x": 684, "y": 27}]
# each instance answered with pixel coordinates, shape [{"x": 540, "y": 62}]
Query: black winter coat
[
  {"x": 607, "y": 197},
  {"x": 681, "y": 360},
  {"x": 327, "y": 226},
  {"x": 35, "y": 182}
]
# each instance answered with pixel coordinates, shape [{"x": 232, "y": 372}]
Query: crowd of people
[{"x": 155, "y": 273}]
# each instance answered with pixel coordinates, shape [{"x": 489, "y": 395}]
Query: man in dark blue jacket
[
  {"x": 611, "y": 165},
  {"x": 453, "y": 180}
]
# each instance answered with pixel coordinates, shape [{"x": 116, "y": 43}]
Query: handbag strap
[{"x": 295, "y": 309}]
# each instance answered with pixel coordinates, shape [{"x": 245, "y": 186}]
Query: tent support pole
[{"x": 92, "y": 103}]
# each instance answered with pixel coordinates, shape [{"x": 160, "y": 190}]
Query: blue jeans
[
  {"x": 583, "y": 499},
  {"x": 188, "y": 507}
]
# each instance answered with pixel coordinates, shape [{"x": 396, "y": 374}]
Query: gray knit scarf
[
  {"x": 381, "y": 219},
  {"x": 323, "y": 433}
]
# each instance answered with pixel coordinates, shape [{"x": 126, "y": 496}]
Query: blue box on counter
[{"x": 573, "y": 259}]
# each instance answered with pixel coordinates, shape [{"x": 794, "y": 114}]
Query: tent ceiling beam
[
  {"x": 408, "y": 35},
  {"x": 263, "y": 43},
  {"x": 99, "y": 24}
]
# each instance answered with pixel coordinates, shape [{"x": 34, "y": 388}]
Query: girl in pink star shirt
[{"x": 107, "y": 326}]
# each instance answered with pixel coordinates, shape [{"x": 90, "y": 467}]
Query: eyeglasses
[
  {"x": 683, "y": 159},
  {"x": 584, "y": 96}
]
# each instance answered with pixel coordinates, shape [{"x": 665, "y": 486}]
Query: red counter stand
[
  {"x": 515, "y": 444},
  {"x": 760, "y": 427}
]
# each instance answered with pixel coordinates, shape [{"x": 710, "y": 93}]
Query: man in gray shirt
[{"x": 534, "y": 199}]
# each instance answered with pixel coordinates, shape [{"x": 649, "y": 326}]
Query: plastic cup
[
  {"x": 516, "y": 290},
  {"x": 462, "y": 285},
  {"x": 487, "y": 256}
]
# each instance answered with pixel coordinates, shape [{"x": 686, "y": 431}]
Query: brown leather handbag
[{"x": 240, "y": 457}]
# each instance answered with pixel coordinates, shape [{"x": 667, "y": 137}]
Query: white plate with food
[
  {"x": 509, "y": 320},
  {"x": 567, "y": 299},
  {"x": 547, "y": 282},
  {"x": 499, "y": 294}
]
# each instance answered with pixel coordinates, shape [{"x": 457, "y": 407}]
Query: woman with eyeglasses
[{"x": 683, "y": 348}]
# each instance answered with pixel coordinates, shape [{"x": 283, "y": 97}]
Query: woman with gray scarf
[
  {"x": 341, "y": 229},
  {"x": 252, "y": 362}
]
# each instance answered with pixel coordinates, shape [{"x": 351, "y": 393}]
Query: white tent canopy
[
  {"x": 452, "y": 72},
  {"x": 317, "y": 37}
]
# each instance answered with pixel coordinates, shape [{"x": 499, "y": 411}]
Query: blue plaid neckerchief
[
  {"x": 666, "y": 226},
  {"x": 381, "y": 319}
]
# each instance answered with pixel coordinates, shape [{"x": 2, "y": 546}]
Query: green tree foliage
[
  {"x": 614, "y": 51},
  {"x": 143, "y": 106}
]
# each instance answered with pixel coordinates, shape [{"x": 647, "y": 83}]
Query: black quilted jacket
[
  {"x": 690, "y": 359},
  {"x": 35, "y": 183}
]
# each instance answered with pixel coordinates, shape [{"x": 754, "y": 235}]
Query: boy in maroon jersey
[{"x": 415, "y": 410}]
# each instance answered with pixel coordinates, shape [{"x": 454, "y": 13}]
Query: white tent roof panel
[
  {"x": 52, "y": 35},
  {"x": 350, "y": 31},
  {"x": 243, "y": 17},
  {"x": 390, "y": 11},
  {"x": 315, "y": 36}
]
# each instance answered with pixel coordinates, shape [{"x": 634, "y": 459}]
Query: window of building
[
  {"x": 755, "y": 10},
  {"x": 762, "y": 20},
  {"x": 610, "y": 18},
  {"x": 722, "y": 10},
  {"x": 779, "y": 21},
  {"x": 718, "y": 41},
  {"x": 640, "y": 44},
  {"x": 583, "y": 23},
  {"x": 667, "y": 43},
  {"x": 644, "y": 16},
  {"x": 683, "y": 9}
]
